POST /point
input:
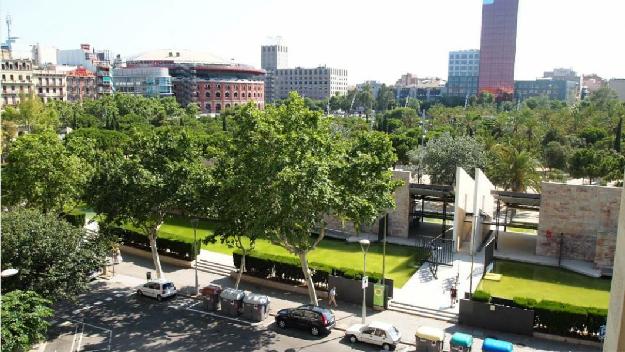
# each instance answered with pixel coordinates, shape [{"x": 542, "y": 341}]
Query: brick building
[{"x": 81, "y": 85}]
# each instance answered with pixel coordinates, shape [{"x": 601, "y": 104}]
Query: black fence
[{"x": 436, "y": 250}]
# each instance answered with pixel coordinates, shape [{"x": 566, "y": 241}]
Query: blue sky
[{"x": 371, "y": 39}]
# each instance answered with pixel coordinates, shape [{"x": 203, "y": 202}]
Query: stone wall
[
  {"x": 587, "y": 218},
  {"x": 399, "y": 217}
]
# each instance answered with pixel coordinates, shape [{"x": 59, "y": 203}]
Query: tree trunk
[
  {"x": 155, "y": 257},
  {"x": 312, "y": 294},
  {"x": 241, "y": 269}
]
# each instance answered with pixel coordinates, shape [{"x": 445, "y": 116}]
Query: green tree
[
  {"x": 513, "y": 169},
  {"x": 53, "y": 257},
  {"x": 592, "y": 163},
  {"x": 555, "y": 155},
  {"x": 444, "y": 154},
  {"x": 24, "y": 320},
  {"x": 33, "y": 114},
  {"x": 162, "y": 171},
  {"x": 301, "y": 172},
  {"x": 41, "y": 173},
  {"x": 385, "y": 99}
]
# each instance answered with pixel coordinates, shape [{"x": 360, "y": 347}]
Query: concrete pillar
[
  {"x": 615, "y": 330},
  {"x": 400, "y": 216}
]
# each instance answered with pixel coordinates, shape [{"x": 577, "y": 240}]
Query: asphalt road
[{"x": 114, "y": 318}]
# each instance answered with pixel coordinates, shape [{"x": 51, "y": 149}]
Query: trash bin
[
  {"x": 255, "y": 307},
  {"x": 460, "y": 342},
  {"x": 429, "y": 339},
  {"x": 493, "y": 345},
  {"x": 231, "y": 301},
  {"x": 210, "y": 295}
]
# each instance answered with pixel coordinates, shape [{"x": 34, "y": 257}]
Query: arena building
[{"x": 213, "y": 83}]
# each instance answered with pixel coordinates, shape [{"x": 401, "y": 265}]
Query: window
[
  {"x": 227, "y": 106},
  {"x": 369, "y": 331},
  {"x": 207, "y": 107},
  {"x": 208, "y": 94},
  {"x": 236, "y": 94},
  {"x": 227, "y": 94},
  {"x": 219, "y": 86},
  {"x": 249, "y": 95},
  {"x": 11, "y": 77},
  {"x": 217, "y": 107},
  {"x": 19, "y": 77},
  {"x": 218, "y": 94},
  {"x": 3, "y": 76}
]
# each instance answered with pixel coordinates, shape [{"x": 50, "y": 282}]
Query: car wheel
[
  {"x": 386, "y": 347},
  {"x": 282, "y": 324},
  {"x": 314, "y": 331},
  {"x": 139, "y": 293},
  {"x": 353, "y": 339},
  {"x": 159, "y": 298}
]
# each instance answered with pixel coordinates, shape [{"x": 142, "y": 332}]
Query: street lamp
[
  {"x": 9, "y": 272},
  {"x": 364, "y": 245},
  {"x": 194, "y": 221}
]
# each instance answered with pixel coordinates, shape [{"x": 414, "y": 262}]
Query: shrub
[
  {"x": 77, "y": 220},
  {"x": 481, "y": 296},
  {"x": 173, "y": 248}
]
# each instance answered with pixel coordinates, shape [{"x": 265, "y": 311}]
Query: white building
[
  {"x": 618, "y": 85},
  {"x": 44, "y": 55},
  {"x": 316, "y": 83}
]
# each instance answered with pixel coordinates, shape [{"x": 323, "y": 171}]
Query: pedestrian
[
  {"x": 332, "y": 297},
  {"x": 454, "y": 295}
]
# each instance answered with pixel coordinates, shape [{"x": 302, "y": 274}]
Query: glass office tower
[{"x": 498, "y": 46}]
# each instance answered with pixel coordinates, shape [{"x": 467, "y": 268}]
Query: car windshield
[
  {"x": 393, "y": 332},
  {"x": 168, "y": 285}
]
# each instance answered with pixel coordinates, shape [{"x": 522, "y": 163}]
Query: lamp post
[
  {"x": 194, "y": 221},
  {"x": 364, "y": 245}
]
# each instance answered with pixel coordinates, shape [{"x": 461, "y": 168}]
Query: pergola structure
[
  {"x": 514, "y": 200},
  {"x": 421, "y": 193}
]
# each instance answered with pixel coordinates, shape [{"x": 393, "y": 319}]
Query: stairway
[
  {"x": 450, "y": 317},
  {"x": 214, "y": 268}
]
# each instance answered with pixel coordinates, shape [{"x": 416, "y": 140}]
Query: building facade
[
  {"x": 207, "y": 80},
  {"x": 50, "y": 83},
  {"x": 104, "y": 84},
  {"x": 498, "y": 47},
  {"x": 81, "y": 85},
  {"x": 274, "y": 57},
  {"x": 17, "y": 79},
  {"x": 562, "y": 90},
  {"x": 145, "y": 81},
  {"x": 85, "y": 56},
  {"x": 463, "y": 73},
  {"x": 593, "y": 82},
  {"x": 373, "y": 85},
  {"x": 618, "y": 85},
  {"x": 315, "y": 83}
]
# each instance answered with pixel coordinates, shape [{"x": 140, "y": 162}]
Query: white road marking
[
  {"x": 82, "y": 332},
  {"x": 74, "y": 339}
]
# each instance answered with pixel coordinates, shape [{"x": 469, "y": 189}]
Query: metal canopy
[{"x": 517, "y": 198}]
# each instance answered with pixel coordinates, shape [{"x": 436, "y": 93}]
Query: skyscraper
[{"x": 498, "y": 46}]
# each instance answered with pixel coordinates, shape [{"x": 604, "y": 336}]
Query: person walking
[{"x": 332, "y": 297}]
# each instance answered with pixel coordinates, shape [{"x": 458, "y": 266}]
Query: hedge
[
  {"x": 481, "y": 296},
  {"x": 77, "y": 220},
  {"x": 289, "y": 268},
  {"x": 173, "y": 248},
  {"x": 555, "y": 317}
]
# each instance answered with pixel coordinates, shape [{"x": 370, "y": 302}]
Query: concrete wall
[
  {"x": 496, "y": 317},
  {"x": 615, "y": 331},
  {"x": 483, "y": 202},
  {"x": 586, "y": 215},
  {"x": 464, "y": 190},
  {"x": 399, "y": 217}
]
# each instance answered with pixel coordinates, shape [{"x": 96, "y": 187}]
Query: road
[{"x": 112, "y": 317}]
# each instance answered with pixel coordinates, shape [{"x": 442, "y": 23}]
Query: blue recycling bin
[{"x": 494, "y": 345}]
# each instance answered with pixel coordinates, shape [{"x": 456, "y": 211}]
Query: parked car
[
  {"x": 315, "y": 319},
  {"x": 376, "y": 333},
  {"x": 159, "y": 289}
]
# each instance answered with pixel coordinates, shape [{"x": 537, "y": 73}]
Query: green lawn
[
  {"x": 400, "y": 260},
  {"x": 542, "y": 282}
]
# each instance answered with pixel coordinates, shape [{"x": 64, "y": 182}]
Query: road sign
[{"x": 365, "y": 282}]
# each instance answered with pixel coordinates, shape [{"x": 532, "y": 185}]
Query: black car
[{"x": 315, "y": 319}]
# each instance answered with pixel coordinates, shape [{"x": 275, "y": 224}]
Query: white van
[{"x": 159, "y": 289}]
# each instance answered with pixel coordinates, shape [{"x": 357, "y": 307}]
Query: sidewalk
[{"x": 132, "y": 272}]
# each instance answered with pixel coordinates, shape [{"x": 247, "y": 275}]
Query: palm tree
[{"x": 514, "y": 169}]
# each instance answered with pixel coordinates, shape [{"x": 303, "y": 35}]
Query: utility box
[
  {"x": 255, "y": 307},
  {"x": 232, "y": 301},
  {"x": 210, "y": 295},
  {"x": 429, "y": 339}
]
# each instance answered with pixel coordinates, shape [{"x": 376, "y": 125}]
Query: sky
[{"x": 373, "y": 40}]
